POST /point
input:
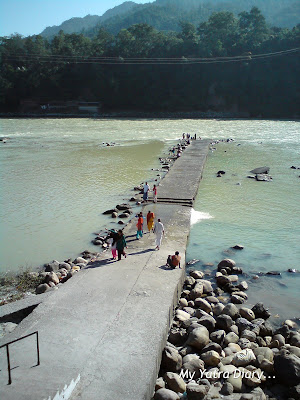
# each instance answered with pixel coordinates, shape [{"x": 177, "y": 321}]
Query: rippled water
[
  {"x": 58, "y": 176},
  {"x": 262, "y": 216}
]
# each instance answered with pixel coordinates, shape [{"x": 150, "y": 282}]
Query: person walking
[
  {"x": 139, "y": 225},
  {"x": 154, "y": 194},
  {"x": 159, "y": 231},
  {"x": 112, "y": 241},
  {"x": 150, "y": 220},
  {"x": 121, "y": 244},
  {"x": 146, "y": 191}
]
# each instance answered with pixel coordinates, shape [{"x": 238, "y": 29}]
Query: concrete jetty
[{"x": 101, "y": 334}]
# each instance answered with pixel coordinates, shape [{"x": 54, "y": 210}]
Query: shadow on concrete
[
  {"x": 166, "y": 267},
  {"x": 100, "y": 263},
  {"x": 141, "y": 252}
]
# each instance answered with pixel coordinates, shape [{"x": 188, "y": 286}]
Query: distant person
[
  {"x": 159, "y": 231},
  {"x": 174, "y": 261},
  {"x": 150, "y": 220},
  {"x": 183, "y": 136},
  {"x": 121, "y": 244},
  {"x": 146, "y": 191},
  {"x": 154, "y": 194},
  {"x": 139, "y": 226}
]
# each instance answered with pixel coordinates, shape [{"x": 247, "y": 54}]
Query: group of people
[
  {"x": 146, "y": 190},
  {"x": 116, "y": 239},
  {"x": 156, "y": 227}
]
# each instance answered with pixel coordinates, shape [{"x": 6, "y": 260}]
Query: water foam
[{"x": 197, "y": 216}]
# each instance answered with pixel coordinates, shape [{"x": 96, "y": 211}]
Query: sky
[{"x": 31, "y": 17}]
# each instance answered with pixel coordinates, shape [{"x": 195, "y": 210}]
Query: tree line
[{"x": 36, "y": 68}]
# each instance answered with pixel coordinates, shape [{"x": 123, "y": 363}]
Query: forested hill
[{"x": 166, "y": 15}]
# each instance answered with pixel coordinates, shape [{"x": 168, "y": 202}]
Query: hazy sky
[{"x": 31, "y": 17}]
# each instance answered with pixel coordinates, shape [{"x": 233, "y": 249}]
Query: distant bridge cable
[{"x": 81, "y": 59}]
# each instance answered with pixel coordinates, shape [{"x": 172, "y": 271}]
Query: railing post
[
  {"x": 8, "y": 365},
  {"x": 16, "y": 340},
  {"x": 37, "y": 348}
]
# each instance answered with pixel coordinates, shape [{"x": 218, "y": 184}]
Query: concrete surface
[{"x": 102, "y": 333}]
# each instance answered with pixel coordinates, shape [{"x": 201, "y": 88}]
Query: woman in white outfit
[{"x": 159, "y": 232}]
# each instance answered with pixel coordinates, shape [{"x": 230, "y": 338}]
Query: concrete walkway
[{"x": 102, "y": 333}]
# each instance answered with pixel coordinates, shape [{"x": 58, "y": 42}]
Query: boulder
[
  {"x": 42, "y": 288},
  {"x": 53, "y": 266},
  {"x": 189, "y": 281},
  {"x": 227, "y": 389},
  {"x": 260, "y": 170},
  {"x": 231, "y": 337},
  {"x": 113, "y": 210},
  {"x": 231, "y": 310},
  {"x": 160, "y": 384},
  {"x": 237, "y": 299},
  {"x": 175, "y": 382},
  {"x": 183, "y": 302},
  {"x": 226, "y": 263},
  {"x": 195, "y": 391},
  {"x": 247, "y": 313},
  {"x": 203, "y": 305},
  {"x": 52, "y": 277},
  {"x": 193, "y": 364},
  {"x": 211, "y": 358},
  {"x": 196, "y": 292},
  {"x": 196, "y": 274},
  {"x": 198, "y": 338},
  {"x": 295, "y": 339},
  {"x": 263, "y": 178},
  {"x": 80, "y": 260},
  {"x": 212, "y": 346},
  {"x": 243, "y": 286},
  {"x": 260, "y": 311},
  {"x": 208, "y": 321},
  {"x": 123, "y": 206},
  {"x": 182, "y": 315},
  {"x": 171, "y": 359},
  {"x": 65, "y": 265},
  {"x": 124, "y": 215},
  {"x": 243, "y": 358},
  {"x": 236, "y": 382},
  {"x": 250, "y": 335},
  {"x": 224, "y": 322},
  {"x": 165, "y": 394},
  {"x": 287, "y": 368},
  {"x": 218, "y": 309},
  {"x": 218, "y": 336}
]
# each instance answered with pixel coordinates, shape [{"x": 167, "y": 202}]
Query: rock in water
[{"x": 260, "y": 170}]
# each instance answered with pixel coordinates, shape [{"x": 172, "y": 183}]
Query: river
[{"x": 58, "y": 176}]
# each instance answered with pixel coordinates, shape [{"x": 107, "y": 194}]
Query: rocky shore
[{"x": 219, "y": 349}]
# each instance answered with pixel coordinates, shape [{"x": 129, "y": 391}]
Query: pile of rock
[
  {"x": 56, "y": 272},
  {"x": 126, "y": 211},
  {"x": 218, "y": 350},
  {"x": 227, "y": 279}
]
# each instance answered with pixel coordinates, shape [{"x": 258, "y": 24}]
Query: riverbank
[{"x": 134, "y": 114}]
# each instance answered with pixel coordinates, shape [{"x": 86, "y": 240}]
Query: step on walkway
[{"x": 102, "y": 333}]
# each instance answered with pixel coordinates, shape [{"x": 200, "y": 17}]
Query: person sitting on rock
[{"x": 174, "y": 261}]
